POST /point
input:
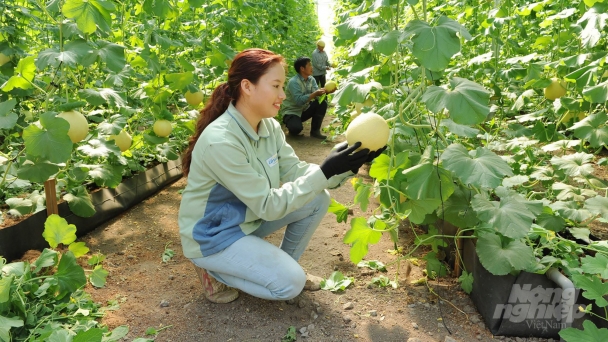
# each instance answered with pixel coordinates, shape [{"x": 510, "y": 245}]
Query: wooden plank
[{"x": 51, "y": 197}]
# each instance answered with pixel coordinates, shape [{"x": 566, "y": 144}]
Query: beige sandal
[
  {"x": 313, "y": 283},
  {"x": 214, "y": 290}
]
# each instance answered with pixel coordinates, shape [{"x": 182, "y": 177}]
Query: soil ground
[{"x": 168, "y": 295}]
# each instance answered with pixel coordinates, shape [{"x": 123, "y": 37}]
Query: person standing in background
[{"x": 320, "y": 64}]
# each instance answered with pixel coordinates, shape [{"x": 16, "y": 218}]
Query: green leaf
[
  {"x": 5, "y": 288},
  {"x": 336, "y": 282},
  {"x": 599, "y": 206},
  {"x": 102, "y": 96},
  {"x": 70, "y": 276},
  {"x": 179, "y": 81},
  {"x": 161, "y": 8},
  {"x": 339, "y": 209},
  {"x": 24, "y": 75},
  {"x": 51, "y": 142},
  {"x": 20, "y": 206},
  {"x": 6, "y": 323},
  {"x": 381, "y": 42},
  {"x": 373, "y": 264},
  {"x": 57, "y": 230},
  {"x": 117, "y": 334},
  {"x": 595, "y": 19},
  {"x": 467, "y": 101},
  {"x": 427, "y": 181},
  {"x": 576, "y": 164},
  {"x": 71, "y": 55},
  {"x": 597, "y": 93},
  {"x": 113, "y": 125},
  {"x": 37, "y": 170},
  {"x": 420, "y": 208},
  {"x": 460, "y": 130},
  {"x": 99, "y": 148},
  {"x": 98, "y": 276},
  {"x": 457, "y": 209},
  {"x": 434, "y": 267},
  {"x": 434, "y": 46},
  {"x": 510, "y": 216},
  {"x": 593, "y": 288},
  {"x": 379, "y": 169},
  {"x": 548, "y": 220},
  {"x": 89, "y": 14},
  {"x": 596, "y": 265},
  {"x": 353, "y": 92},
  {"x": 593, "y": 129},
  {"x": 106, "y": 174},
  {"x": 360, "y": 236},
  {"x": 466, "y": 281},
  {"x": 500, "y": 258},
  {"x": 8, "y": 119},
  {"x": 480, "y": 168},
  {"x": 47, "y": 258},
  {"x": 78, "y": 248},
  {"x": 580, "y": 233},
  {"x": 431, "y": 239},
  {"x": 79, "y": 202},
  {"x": 363, "y": 192},
  {"x": 91, "y": 335},
  {"x": 59, "y": 336},
  {"x": 590, "y": 332},
  {"x": 112, "y": 54},
  {"x": 571, "y": 211}
]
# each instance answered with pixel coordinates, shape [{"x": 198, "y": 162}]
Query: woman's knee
[
  {"x": 322, "y": 201},
  {"x": 291, "y": 282}
]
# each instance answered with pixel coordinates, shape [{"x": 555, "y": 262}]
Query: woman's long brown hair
[{"x": 250, "y": 65}]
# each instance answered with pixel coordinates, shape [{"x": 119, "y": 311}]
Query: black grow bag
[
  {"x": 526, "y": 305},
  {"x": 108, "y": 203}
]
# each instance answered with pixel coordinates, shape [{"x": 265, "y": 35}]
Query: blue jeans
[{"x": 261, "y": 269}]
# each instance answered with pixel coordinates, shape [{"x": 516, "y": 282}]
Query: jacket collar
[{"x": 263, "y": 128}]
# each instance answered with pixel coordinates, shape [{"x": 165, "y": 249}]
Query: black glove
[
  {"x": 371, "y": 156},
  {"x": 341, "y": 160}
]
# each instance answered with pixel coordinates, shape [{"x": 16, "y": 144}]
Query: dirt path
[{"x": 151, "y": 293}]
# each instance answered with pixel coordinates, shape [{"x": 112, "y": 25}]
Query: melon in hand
[{"x": 370, "y": 129}]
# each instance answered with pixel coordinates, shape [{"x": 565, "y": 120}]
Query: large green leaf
[
  {"x": 381, "y": 164},
  {"x": 593, "y": 129},
  {"x": 381, "y": 42},
  {"x": 457, "y": 209},
  {"x": 599, "y": 206},
  {"x": 50, "y": 142},
  {"x": 71, "y": 55},
  {"x": 596, "y": 265},
  {"x": 24, "y": 75},
  {"x": 112, "y": 54},
  {"x": 98, "y": 277},
  {"x": 353, "y": 92},
  {"x": 90, "y": 14},
  {"x": 467, "y": 101},
  {"x": 179, "y": 81},
  {"x": 70, "y": 276},
  {"x": 101, "y": 96},
  {"x": 576, "y": 164},
  {"x": 113, "y": 125},
  {"x": 420, "y": 208},
  {"x": 161, "y": 8},
  {"x": 360, "y": 236},
  {"x": 5, "y": 289},
  {"x": 37, "y": 170},
  {"x": 434, "y": 46},
  {"x": 597, "y": 93},
  {"x": 590, "y": 333},
  {"x": 593, "y": 288},
  {"x": 571, "y": 211},
  {"x": 57, "y": 230},
  {"x": 47, "y": 258},
  {"x": 8, "y": 119},
  {"x": 460, "y": 130},
  {"x": 481, "y": 167},
  {"x": 510, "y": 216},
  {"x": 501, "y": 257},
  {"x": 595, "y": 21},
  {"x": 355, "y": 26},
  {"x": 6, "y": 323},
  {"x": 99, "y": 148},
  {"x": 339, "y": 209},
  {"x": 79, "y": 202},
  {"x": 106, "y": 174}
]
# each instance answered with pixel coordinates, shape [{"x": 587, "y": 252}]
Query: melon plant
[
  {"x": 555, "y": 90},
  {"x": 331, "y": 86},
  {"x": 122, "y": 140},
  {"x": 194, "y": 99},
  {"x": 4, "y": 59},
  {"x": 79, "y": 126},
  {"x": 162, "y": 128},
  {"x": 370, "y": 129}
]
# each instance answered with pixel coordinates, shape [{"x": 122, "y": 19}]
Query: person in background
[
  {"x": 244, "y": 182},
  {"x": 320, "y": 64},
  {"x": 301, "y": 101}
]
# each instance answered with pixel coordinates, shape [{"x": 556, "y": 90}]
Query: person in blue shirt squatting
[
  {"x": 245, "y": 182},
  {"x": 320, "y": 64},
  {"x": 301, "y": 101}
]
